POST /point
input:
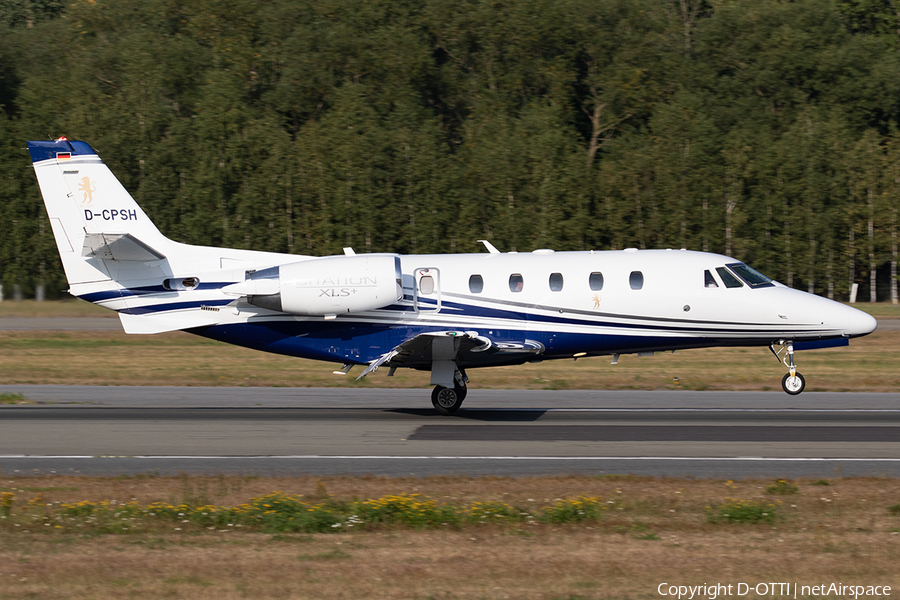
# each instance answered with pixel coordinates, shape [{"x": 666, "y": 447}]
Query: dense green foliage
[{"x": 766, "y": 130}]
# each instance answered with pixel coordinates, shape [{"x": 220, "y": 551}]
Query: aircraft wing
[{"x": 466, "y": 348}]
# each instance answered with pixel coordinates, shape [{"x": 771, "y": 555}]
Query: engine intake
[{"x": 328, "y": 286}]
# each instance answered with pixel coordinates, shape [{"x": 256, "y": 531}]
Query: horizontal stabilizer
[
  {"x": 118, "y": 246},
  {"x": 172, "y": 321}
]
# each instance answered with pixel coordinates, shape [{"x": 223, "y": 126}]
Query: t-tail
[
  {"x": 95, "y": 220},
  {"x": 114, "y": 256}
]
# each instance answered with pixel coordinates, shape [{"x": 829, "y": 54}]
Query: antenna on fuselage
[{"x": 490, "y": 247}]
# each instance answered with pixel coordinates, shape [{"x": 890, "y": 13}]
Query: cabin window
[
  {"x": 708, "y": 280},
  {"x": 636, "y": 280},
  {"x": 516, "y": 283},
  {"x": 596, "y": 281},
  {"x": 178, "y": 284},
  {"x": 476, "y": 284},
  {"x": 556, "y": 282},
  {"x": 426, "y": 284},
  {"x": 728, "y": 279}
]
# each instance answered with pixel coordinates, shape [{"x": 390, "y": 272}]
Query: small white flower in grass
[{"x": 335, "y": 525}]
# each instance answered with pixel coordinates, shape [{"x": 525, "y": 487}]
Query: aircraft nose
[{"x": 855, "y": 322}]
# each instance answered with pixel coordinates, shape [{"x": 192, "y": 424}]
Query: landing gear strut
[
  {"x": 793, "y": 382},
  {"x": 448, "y": 400}
]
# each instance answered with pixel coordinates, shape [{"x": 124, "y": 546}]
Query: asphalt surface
[{"x": 282, "y": 431}]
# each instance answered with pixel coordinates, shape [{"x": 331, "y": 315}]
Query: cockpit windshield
[{"x": 751, "y": 276}]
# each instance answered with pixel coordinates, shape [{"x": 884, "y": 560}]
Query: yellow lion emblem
[{"x": 88, "y": 187}]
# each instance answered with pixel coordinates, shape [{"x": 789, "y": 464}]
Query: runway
[{"x": 282, "y": 431}]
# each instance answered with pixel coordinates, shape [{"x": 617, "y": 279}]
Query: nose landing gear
[{"x": 793, "y": 382}]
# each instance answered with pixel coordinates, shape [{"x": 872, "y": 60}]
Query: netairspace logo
[{"x": 789, "y": 589}]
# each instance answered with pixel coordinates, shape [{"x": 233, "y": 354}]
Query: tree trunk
[
  {"x": 640, "y": 217},
  {"x": 511, "y": 216},
  {"x": 789, "y": 263},
  {"x": 705, "y": 221},
  {"x": 894, "y": 299},
  {"x": 689, "y": 12},
  {"x": 768, "y": 248},
  {"x": 595, "y": 132},
  {"x": 873, "y": 268},
  {"x": 829, "y": 274},
  {"x": 811, "y": 275},
  {"x": 410, "y": 205}
]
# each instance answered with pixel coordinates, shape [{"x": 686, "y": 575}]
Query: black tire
[
  {"x": 793, "y": 386},
  {"x": 461, "y": 391},
  {"x": 446, "y": 400}
]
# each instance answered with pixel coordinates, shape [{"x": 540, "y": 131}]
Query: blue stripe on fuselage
[{"x": 361, "y": 343}]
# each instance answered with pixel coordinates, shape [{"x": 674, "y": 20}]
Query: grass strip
[{"x": 588, "y": 537}]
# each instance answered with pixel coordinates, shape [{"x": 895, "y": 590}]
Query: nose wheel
[{"x": 793, "y": 382}]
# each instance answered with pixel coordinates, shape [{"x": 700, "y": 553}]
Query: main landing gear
[
  {"x": 447, "y": 400},
  {"x": 793, "y": 382}
]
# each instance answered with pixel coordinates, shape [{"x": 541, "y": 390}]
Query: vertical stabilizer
[{"x": 92, "y": 215}]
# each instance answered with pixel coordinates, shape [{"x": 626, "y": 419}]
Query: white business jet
[{"x": 444, "y": 313}]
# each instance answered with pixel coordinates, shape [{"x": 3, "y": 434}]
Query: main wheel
[
  {"x": 793, "y": 385},
  {"x": 446, "y": 400}
]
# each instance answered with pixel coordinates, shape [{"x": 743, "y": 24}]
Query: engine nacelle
[{"x": 329, "y": 286}]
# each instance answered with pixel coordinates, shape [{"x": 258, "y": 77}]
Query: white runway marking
[
  {"x": 517, "y": 458},
  {"x": 664, "y": 410}
]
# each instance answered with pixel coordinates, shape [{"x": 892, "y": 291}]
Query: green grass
[
  {"x": 878, "y": 310},
  {"x": 742, "y": 511},
  {"x": 279, "y": 513},
  {"x": 8, "y": 398},
  {"x": 782, "y": 487},
  {"x": 56, "y": 308}
]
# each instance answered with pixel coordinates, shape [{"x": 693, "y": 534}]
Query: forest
[{"x": 767, "y": 130}]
